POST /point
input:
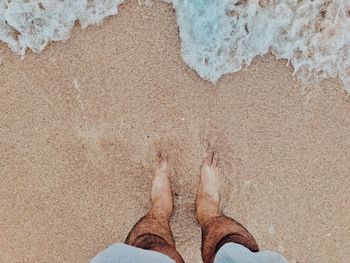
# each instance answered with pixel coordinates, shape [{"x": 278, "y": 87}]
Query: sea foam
[
  {"x": 217, "y": 36},
  {"x": 222, "y": 36},
  {"x": 31, "y": 24}
]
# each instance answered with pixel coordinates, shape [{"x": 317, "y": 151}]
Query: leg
[
  {"x": 217, "y": 229},
  {"x": 152, "y": 232}
]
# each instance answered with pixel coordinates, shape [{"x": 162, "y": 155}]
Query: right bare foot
[
  {"x": 208, "y": 196},
  {"x": 217, "y": 229}
]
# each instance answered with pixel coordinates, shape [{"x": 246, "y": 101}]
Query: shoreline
[{"x": 76, "y": 161}]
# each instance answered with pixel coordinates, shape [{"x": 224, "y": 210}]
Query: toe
[
  {"x": 210, "y": 158},
  {"x": 215, "y": 159},
  {"x": 162, "y": 165},
  {"x": 205, "y": 159},
  {"x": 162, "y": 156}
]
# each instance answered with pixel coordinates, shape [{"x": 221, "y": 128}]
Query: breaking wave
[
  {"x": 222, "y": 36},
  {"x": 33, "y": 23},
  {"x": 218, "y": 36}
]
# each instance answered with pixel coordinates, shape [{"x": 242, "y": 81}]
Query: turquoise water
[{"x": 217, "y": 36}]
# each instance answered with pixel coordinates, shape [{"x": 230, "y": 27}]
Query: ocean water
[
  {"x": 32, "y": 24},
  {"x": 222, "y": 36},
  {"x": 217, "y": 36}
]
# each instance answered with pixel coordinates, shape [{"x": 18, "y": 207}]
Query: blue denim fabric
[
  {"x": 234, "y": 253},
  {"x": 229, "y": 253}
]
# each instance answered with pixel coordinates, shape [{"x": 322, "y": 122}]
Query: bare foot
[
  {"x": 208, "y": 197},
  {"x": 162, "y": 196}
]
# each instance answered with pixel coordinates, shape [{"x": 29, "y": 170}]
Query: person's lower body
[
  {"x": 151, "y": 240},
  {"x": 153, "y": 231},
  {"x": 217, "y": 229}
]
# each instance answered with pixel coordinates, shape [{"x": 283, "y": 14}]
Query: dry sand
[{"x": 81, "y": 122}]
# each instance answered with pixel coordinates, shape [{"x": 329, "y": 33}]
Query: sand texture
[{"x": 81, "y": 122}]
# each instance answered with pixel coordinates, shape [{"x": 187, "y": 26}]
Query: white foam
[
  {"x": 218, "y": 36},
  {"x": 222, "y": 36},
  {"x": 33, "y": 23}
]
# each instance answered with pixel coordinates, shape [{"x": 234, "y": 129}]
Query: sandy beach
[{"x": 82, "y": 121}]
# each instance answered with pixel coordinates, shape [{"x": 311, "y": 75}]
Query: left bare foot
[{"x": 162, "y": 196}]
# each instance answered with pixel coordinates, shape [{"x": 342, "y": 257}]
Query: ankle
[
  {"x": 162, "y": 211},
  {"x": 205, "y": 213}
]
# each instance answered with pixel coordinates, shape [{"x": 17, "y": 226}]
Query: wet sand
[{"x": 81, "y": 123}]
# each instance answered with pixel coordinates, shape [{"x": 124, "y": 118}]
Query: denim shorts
[{"x": 229, "y": 253}]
